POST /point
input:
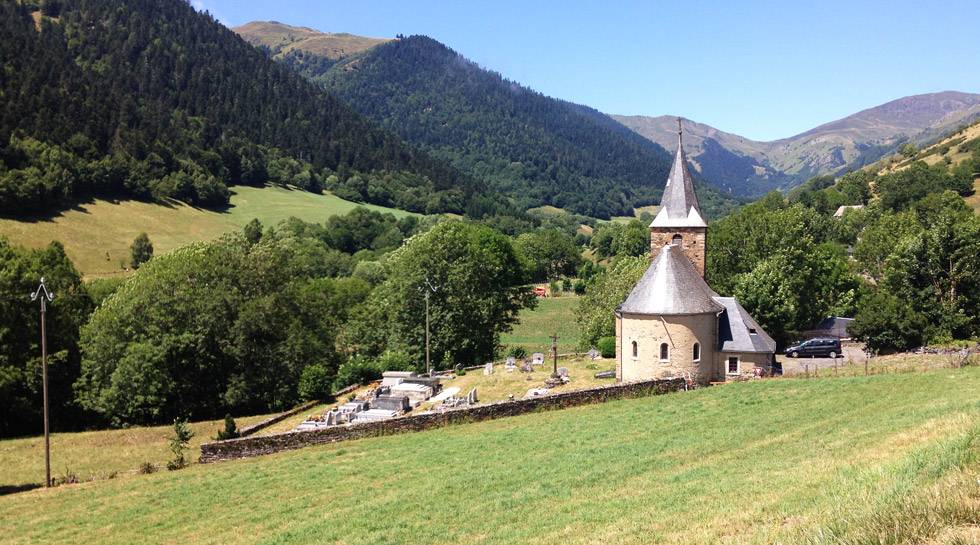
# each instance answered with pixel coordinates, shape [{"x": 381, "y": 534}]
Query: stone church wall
[
  {"x": 693, "y": 243},
  {"x": 680, "y": 333}
]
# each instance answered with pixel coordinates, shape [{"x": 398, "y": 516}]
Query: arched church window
[
  {"x": 635, "y": 352},
  {"x": 697, "y": 351},
  {"x": 676, "y": 241},
  {"x": 664, "y": 352}
]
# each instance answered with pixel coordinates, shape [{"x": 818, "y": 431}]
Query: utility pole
[
  {"x": 428, "y": 289},
  {"x": 43, "y": 294},
  {"x": 554, "y": 354}
]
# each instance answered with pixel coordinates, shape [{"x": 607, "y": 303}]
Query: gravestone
[
  {"x": 511, "y": 361},
  {"x": 563, "y": 371},
  {"x": 593, "y": 353},
  {"x": 537, "y": 358},
  {"x": 526, "y": 367},
  {"x": 391, "y": 403},
  {"x": 488, "y": 368},
  {"x": 471, "y": 397}
]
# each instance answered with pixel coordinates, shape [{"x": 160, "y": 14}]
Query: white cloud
[{"x": 198, "y": 4}]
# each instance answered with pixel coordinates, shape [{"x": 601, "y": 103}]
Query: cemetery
[{"x": 400, "y": 393}]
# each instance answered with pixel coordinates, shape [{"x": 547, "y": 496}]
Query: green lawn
[
  {"x": 553, "y": 315},
  {"x": 881, "y": 459},
  {"x": 97, "y": 235}
]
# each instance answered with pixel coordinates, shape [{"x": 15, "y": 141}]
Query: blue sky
[{"x": 764, "y": 70}]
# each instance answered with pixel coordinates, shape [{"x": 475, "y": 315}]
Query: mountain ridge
[
  {"x": 536, "y": 149},
  {"x": 830, "y": 148}
]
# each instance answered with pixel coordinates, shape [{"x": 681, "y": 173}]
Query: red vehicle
[{"x": 541, "y": 292}]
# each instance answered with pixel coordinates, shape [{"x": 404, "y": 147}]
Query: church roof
[
  {"x": 739, "y": 332},
  {"x": 671, "y": 285},
  {"x": 679, "y": 205}
]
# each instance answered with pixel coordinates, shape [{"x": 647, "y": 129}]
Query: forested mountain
[
  {"x": 151, "y": 99},
  {"x": 533, "y": 148},
  {"x": 749, "y": 167}
]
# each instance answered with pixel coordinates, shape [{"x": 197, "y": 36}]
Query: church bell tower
[{"x": 679, "y": 221}]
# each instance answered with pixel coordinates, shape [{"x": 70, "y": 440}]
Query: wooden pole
[
  {"x": 428, "y": 365},
  {"x": 45, "y": 296},
  {"x": 44, "y": 382}
]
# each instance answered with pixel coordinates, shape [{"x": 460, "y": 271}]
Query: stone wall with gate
[{"x": 260, "y": 445}]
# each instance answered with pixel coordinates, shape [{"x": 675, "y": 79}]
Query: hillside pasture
[
  {"x": 973, "y": 201},
  {"x": 97, "y": 455},
  {"x": 97, "y": 234},
  {"x": 891, "y": 458},
  {"x": 552, "y": 315}
]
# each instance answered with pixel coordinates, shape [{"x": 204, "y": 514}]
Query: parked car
[{"x": 815, "y": 348}]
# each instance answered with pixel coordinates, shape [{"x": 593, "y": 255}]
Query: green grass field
[
  {"x": 553, "y": 315},
  {"x": 97, "y": 455},
  {"x": 97, "y": 235},
  {"x": 881, "y": 459}
]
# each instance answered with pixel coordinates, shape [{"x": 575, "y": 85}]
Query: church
[{"x": 673, "y": 324}]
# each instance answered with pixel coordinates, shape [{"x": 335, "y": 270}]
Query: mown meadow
[
  {"x": 883, "y": 459},
  {"x": 551, "y": 315},
  {"x": 97, "y": 235}
]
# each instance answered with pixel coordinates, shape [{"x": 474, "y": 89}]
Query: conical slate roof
[
  {"x": 679, "y": 205},
  {"x": 671, "y": 285}
]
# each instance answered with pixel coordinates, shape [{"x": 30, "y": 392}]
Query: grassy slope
[
  {"x": 932, "y": 155},
  {"x": 283, "y": 39},
  {"x": 762, "y": 461},
  {"x": 91, "y": 230},
  {"x": 553, "y": 315},
  {"x": 98, "y": 454}
]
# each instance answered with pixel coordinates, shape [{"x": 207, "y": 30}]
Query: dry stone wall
[{"x": 257, "y": 446}]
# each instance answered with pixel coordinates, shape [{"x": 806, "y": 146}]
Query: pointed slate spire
[{"x": 679, "y": 205}]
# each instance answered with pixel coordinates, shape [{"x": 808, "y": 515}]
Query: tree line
[{"x": 261, "y": 319}]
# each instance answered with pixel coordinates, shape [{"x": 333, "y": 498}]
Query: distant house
[
  {"x": 831, "y": 326},
  {"x": 841, "y": 209}
]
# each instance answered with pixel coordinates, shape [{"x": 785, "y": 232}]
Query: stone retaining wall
[{"x": 246, "y": 447}]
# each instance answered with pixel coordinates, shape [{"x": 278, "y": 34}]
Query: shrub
[
  {"x": 395, "y": 360},
  {"x": 231, "y": 429},
  {"x": 141, "y": 251},
  {"x": 566, "y": 284},
  {"x": 178, "y": 444},
  {"x": 554, "y": 288},
  {"x": 357, "y": 370},
  {"x": 146, "y": 468},
  {"x": 518, "y": 352},
  {"x": 579, "y": 287},
  {"x": 315, "y": 382},
  {"x": 607, "y": 347},
  {"x": 68, "y": 478}
]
